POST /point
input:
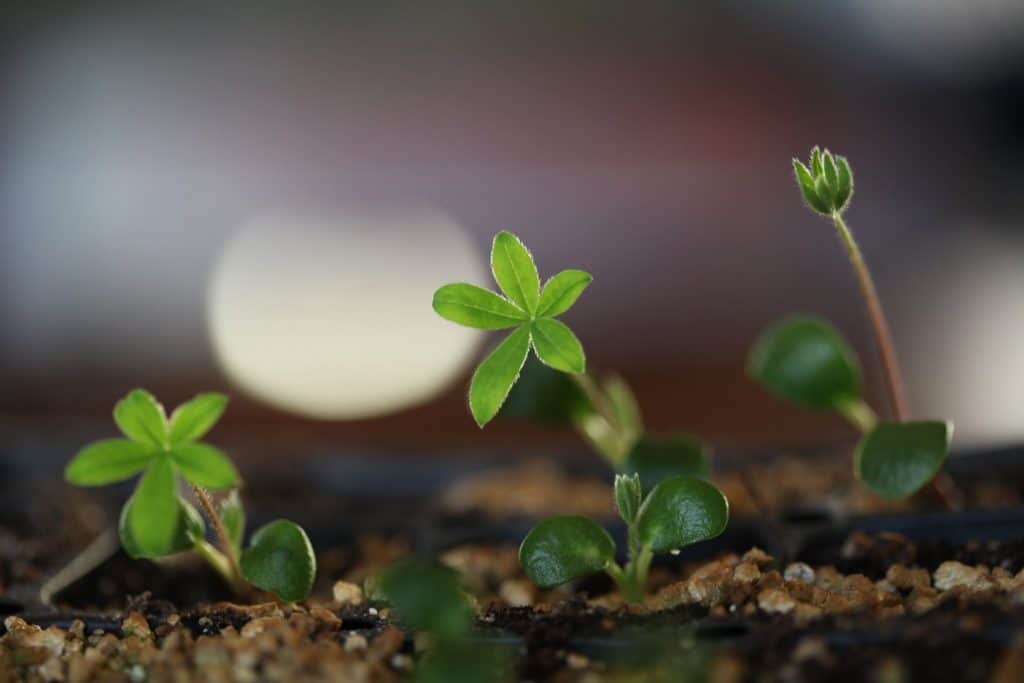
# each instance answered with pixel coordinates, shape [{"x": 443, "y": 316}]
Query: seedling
[
  {"x": 605, "y": 413},
  {"x": 677, "y": 512},
  {"x": 428, "y": 597},
  {"x": 806, "y": 361},
  {"x": 157, "y": 521}
]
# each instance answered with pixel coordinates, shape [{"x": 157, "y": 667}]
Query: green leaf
[
  {"x": 191, "y": 420},
  {"x": 896, "y": 459},
  {"x": 656, "y": 459},
  {"x": 628, "y": 496},
  {"x": 152, "y": 521},
  {"x": 806, "y": 184},
  {"x": 497, "y": 373},
  {"x": 515, "y": 271},
  {"x": 561, "y": 291},
  {"x": 542, "y": 394},
  {"x": 108, "y": 461},
  {"x": 232, "y": 514},
  {"x": 188, "y": 531},
  {"x": 141, "y": 417},
  {"x": 474, "y": 306},
  {"x": 280, "y": 559},
  {"x": 828, "y": 166},
  {"x": 824, "y": 192},
  {"x": 427, "y": 595},
  {"x": 805, "y": 360},
  {"x": 466, "y": 661},
  {"x": 205, "y": 465},
  {"x": 557, "y": 346},
  {"x": 561, "y": 549},
  {"x": 845, "y": 186},
  {"x": 624, "y": 405},
  {"x": 816, "y": 161},
  {"x": 680, "y": 511}
]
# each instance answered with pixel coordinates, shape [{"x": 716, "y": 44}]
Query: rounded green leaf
[
  {"x": 280, "y": 559},
  {"x": 497, "y": 373},
  {"x": 561, "y": 549},
  {"x": 680, "y": 511},
  {"x": 474, "y": 306},
  {"x": 152, "y": 521},
  {"x": 515, "y": 271},
  {"x": 191, "y": 420},
  {"x": 557, "y": 346},
  {"x": 107, "y": 461},
  {"x": 658, "y": 458},
  {"x": 561, "y": 291},
  {"x": 897, "y": 458},
  {"x": 805, "y": 360},
  {"x": 205, "y": 465},
  {"x": 141, "y": 418},
  {"x": 232, "y": 514},
  {"x": 427, "y": 595},
  {"x": 189, "y": 530}
]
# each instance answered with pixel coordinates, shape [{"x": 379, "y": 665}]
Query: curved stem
[
  {"x": 227, "y": 549},
  {"x": 859, "y": 414},
  {"x": 883, "y": 339},
  {"x": 596, "y": 397},
  {"x": 223, "y": 566}
]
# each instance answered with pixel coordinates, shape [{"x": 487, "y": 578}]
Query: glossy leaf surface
[
  {"x": 681, "y": 511},
  {"x": 897, "y": 458},
  {"x": 561, "y": 549}
]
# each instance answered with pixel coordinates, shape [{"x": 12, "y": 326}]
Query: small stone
[
  {"x": 951, "y": 575},
  {"x": 261, "y": 625},
  {"x": 517, "y": 593},
  {"x": 746, "y": 572},
  {"x": 136, "y": 625},
  {"x": 401, "y": 662},
  {"x": 326, "y": 617},
  {"x": 799, "y": 571},
  {"x": 758, "y": 557},
  {"x": 346, "y": 593},
  {"x": 906, "y": 578},
  {"x": 576, "y": 661},
  {"x": 775, "y": 601},
  {"x": 355, "y": 642}
]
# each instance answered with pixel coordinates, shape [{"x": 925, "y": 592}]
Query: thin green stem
[
  {"x": 226, "y": 553},
  {"x": 611, "y": 438},
  {"x": 223, "y": 566},
  {"x": 883, "y": 339},
  {"x": 859, "y": 414},
  {"x": 596, "y": 396}
]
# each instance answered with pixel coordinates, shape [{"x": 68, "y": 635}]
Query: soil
[{"x": 827, "y": 603}]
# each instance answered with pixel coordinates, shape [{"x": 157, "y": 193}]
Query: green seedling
[
  {"x": 157, "y": 521},
  {"x": 806, "y": 361},
  {"x": 428, "y": 597},
  {"x": 677, "y": 512},
  {"x": 556, "y": 387}
]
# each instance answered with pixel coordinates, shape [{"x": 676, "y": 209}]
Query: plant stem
[
  {"x": 942, "y": 484},
  {"x": 883, "y": 339},
  {"x": 96, "y": 553},
  {"x": 596, "y": 397},
  {"x": 227, "y": 549},
  {"x": 223, "y": 566},
  {"x": 859, "y": 414}
]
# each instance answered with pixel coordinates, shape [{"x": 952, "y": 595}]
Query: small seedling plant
[
  {"x": 805, "y": 360},
  {"x": 677, "y": 512},
  {"x": 606, "y": 413},
  {"x": 156, "y": 521}
]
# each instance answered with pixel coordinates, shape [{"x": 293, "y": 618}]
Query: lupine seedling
[
  {"x": 605, "y": 413},
  {"x": 805, "y": 360},
  {"x": 677, "y": 512},
  {"x": 157, "y": 521},
  {"x": 428, "y": 597}
]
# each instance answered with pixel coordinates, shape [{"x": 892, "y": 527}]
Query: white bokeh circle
[{"x": 329, "y": 315}]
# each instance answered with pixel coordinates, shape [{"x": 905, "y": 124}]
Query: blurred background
[{"x": 262, "y": 197}]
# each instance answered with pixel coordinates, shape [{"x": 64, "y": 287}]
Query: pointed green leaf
[
  {"x": 806, "y": 184},
  {"x": 561, "y": 291},
  {"x": 816, "y": 161},
  {"x": 191, "y": 420},
  {"x": 474, "y": 306},
  {"x": 828, "y": 166},
  {"x": 805, "y": 360},
  {"x": 427, "y": 595},
  {"x": 845, "y": 190},
  {"x": 205, "y": 465},
  {"x": 896, "y": 459},
  {"x": 656, "y": 459},
  {"x": 280, "y": 559},
  {"x": 108, "y": 461},
  {"x": 189, "y": 530},
  {"x": 497, "y": 373},
  {"x": 152, "y": 520},
  {"x": 232, "y": 514},
  {"x": 561, "y": 549},
  {"x": 557, "y": 346},
  {"x": 628, "y": 496},
  {"x": 515, "y": 271},
  {"x": 141, "y": 417},
  {"x": 680, "y": 511},
  {"x": 824, "y": 192}
]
